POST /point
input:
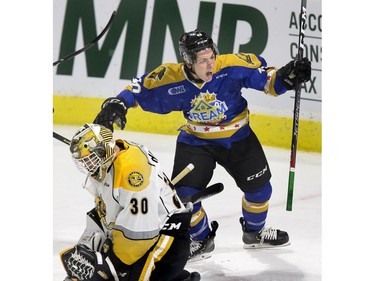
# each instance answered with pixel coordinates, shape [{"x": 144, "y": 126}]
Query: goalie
[{"x": 139, "y": 229}]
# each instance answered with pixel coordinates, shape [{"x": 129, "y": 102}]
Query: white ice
[{"x": 301, "y": 261}]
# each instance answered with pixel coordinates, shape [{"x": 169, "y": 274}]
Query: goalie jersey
[
  {"x": 215, "y": 111},
  {"x": 133, "y": 201}
]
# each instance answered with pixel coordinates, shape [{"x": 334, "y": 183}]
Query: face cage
[{"x": 88, "y": 164}]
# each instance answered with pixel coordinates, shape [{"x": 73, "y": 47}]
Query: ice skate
[
  {"x": 264, "y": 238},
  {"x": 203, "y": 249}
]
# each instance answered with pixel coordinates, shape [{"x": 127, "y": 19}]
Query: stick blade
[{"x": 204, "y": 194}]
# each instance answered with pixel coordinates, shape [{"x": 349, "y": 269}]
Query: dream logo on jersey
[
  {"x": 158, "y": 73},
  {"x": 246, "y": 58},
  {"x": 207, "y": 109},
  {"x": 135, "y": 179}
]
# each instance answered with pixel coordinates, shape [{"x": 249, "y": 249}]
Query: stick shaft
[
  {"x": 297, "y": 100},
  {"x": 61, "y": 138},
  {"x": 183, "y": 173},
  {"x": 89, "y": 45}
]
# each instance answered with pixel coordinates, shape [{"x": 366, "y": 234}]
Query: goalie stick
[
  {"x": 197, "y": 197},
  {"x": 89, "y": 45},
  {"x": 293, "y": 149}
]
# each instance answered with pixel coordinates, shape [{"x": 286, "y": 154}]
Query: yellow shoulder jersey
[{"x": 242, "y": 59}]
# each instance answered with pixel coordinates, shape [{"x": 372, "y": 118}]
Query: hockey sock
[{"x": 255, "y": 207}]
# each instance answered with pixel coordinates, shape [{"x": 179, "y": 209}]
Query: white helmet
[{"x": 93, "y": 147}]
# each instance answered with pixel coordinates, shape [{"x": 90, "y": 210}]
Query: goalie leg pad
[{"x": 85, "y": 264}]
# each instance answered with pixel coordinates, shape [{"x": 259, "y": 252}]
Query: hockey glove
[
  {"x": 178, "y": 225},
  {"x": 85, "y": 264},
  {"x": 296, "y": 70},
  {"x": 113, "y": 111}
]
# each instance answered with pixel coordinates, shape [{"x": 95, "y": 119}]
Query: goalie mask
[
  {"x": 93, "y": 147},
  {"x": 194, "y": 41}
]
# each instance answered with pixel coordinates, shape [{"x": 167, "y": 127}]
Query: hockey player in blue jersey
[{"x": 206, "y": 87}]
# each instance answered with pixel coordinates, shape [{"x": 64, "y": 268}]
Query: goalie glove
[
  {"x": 113, "y": 112},
  {"x": 81, "y": 263},
  {"x": 295, "y": 70}
]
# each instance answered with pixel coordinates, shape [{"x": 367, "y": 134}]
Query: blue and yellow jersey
[{"x": 215, "y": 111}]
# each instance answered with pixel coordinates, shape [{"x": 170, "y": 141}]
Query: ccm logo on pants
[{"x": 257, "y": 175}]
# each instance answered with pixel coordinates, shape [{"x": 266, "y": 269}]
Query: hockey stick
[
  {"x": 183, "y": 173},
  {"x": 61, "y": 138},
  {"x": 204, "y": 194},
  {"x": 293, "y": 152},
  {"x": 89, "y": 45}
]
